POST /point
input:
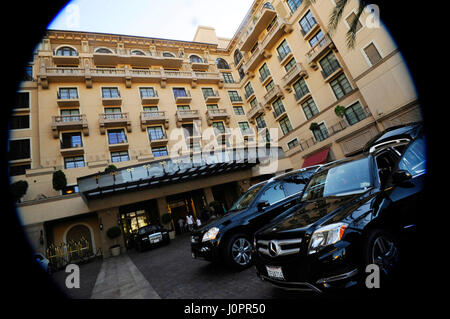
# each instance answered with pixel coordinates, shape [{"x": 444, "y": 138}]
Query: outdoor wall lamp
[{"x": 100, "y": 224}]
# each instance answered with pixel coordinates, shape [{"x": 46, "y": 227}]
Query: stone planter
[
  {"x": 115, "y": 251},
  {"x": 172, "y": 234}
]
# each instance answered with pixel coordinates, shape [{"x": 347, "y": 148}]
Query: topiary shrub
[
  {"x": 110, "y": 168},
  {"x": 113, "y": 233},
  {"x": 18, "y": 189},
  {"x": 314, "y": 126},
  {"x": 59, "y": 180},
  {"x": 339, "y": 111}
]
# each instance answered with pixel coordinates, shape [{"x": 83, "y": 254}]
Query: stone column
[{"x": 208, "y": 195}]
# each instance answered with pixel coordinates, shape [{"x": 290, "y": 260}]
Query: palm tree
[{"x": 336, "y": 16}]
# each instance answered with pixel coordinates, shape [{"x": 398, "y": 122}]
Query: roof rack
[{"x": 399, "y": 141}]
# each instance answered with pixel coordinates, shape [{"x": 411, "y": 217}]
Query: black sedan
[
  {"x": 150, "y": 236},
  {"x": 358, "y": 212}
]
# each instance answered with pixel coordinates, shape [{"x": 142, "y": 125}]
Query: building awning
[{"x": 317, "y": 158}]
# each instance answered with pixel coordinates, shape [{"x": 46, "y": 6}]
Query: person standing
[
  {"x": 181, "y": 225},
  {"x": 199, "y": 223},
  {"x": 190, "y": 222}
]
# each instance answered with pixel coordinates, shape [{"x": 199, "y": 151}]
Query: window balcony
[
  {"x": 272, "y": 95},
  {"x": 330, "y": 74},
  {"x": 260, "y": 22},
  {"x": 254, "y": 112},
  {"x": 187, "y": 116},
  {"x": 302, "y": 97},
  {"x": 236, "y": 100},
  {"x": 217, "y": 114},
  {"x": 154, "y": 117},
  {"x": 112, "y": 101},
  {"x": 69, "y": 123},
  {"x": 67, "y": 100},
  {"x": 183, "y": 98},
  {"x": 279, "y": 113},
  {"x": 319, "y": 50},
  {"x": 292, "y": 75},
  {"x": 103, "y": 58},
  {"x": 255, "y": 59},
  {"x": 120, "y": 146},
  {"x": 114, "y": 120},
  {"x": 66, "y": 59},
  {"x": 154, "y": 99},
  {"x": 146, "y": 59},
  {"x": 275, "y": 33},
  {"x": 213, "y": 97},
  {"x": 249, "y": 95},
  {"x": 200, "y": 65},
  {"x": 71, "y": 150},
  {"x": 264, "y": 79},
  {"x": 308, "y": 34},
  {"x": 159, "y": 140}
]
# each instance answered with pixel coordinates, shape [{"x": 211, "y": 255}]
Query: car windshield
[
  {"x": 247, "y": 199},
  {"x": 147, "y": 229},
  {"x": 343, "y": 179}
]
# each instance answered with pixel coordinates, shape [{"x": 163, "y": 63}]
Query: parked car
[
  {"x": 42, "y": 261},
  {"x": 357, "y": 212},
  {"x": 150, "y": 236},
  {"x": 229, "y": 238}
]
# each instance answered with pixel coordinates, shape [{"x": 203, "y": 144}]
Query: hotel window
[
  {"x": 137, "y": 52},
  {"x": 307, "y": 22},
  {"x": 248, "y": 89},
  {"x": 168, "y": 55},
  {"x": 147, "y": 92},
  {"x": 294, "y": 4},
  {"x": 270, "y": 85},
  {"x": 372, "y": 54},
  {"x": 190, "y": 130},
  {"x": 179, "y": 92},
  {"x": 283, "y": 49},
  {"x": 160, "y": 151},
  {"x": 234, "y": 96},
  {"x": 300, "y": 89},
  {"x": 19, "y": 149},
  {"x": 350, "y": 19},
  {"x": 218, "y": 127},
  {"x": 103, "y": 50},
  {"x": 19, "y": 122},
  {"x": 195, "y": 59},
  {"x": 320, "y": 133},
  {"x": 245, "y": 127},
  {"x": 278, "y": 108},
  {"x": 285, "y": 125},
  {"x": 110, "y": 92},
  {"x": 73, "y": 162},
  {"x": 113, "y": 113},
  {"x": 150, "y": 108},
  {"x": 183, "y": 107},
  {"x": 238, "y": 110},
  {"x": 292, "y": 143},
  {"x": 22, "y": 100},
  {"x": 120, "y": 156},
  {"x": 66, "y": 51},
  {"x": 260, "y": 122},
  {"x": 28, "y": 74},
  {"x": 15, "y": 170},
  {"x": 341, "y": 86},
  {"x": 309, "y": 108},
  {"x": 227, "y": 77},
  {"x": 329, "y": 64},
  {"x": 67, "y": 93},
  {"x": 254, "y": 103},
  {"x": 117, "y": 136},
  {"x": 71, "y": 140},
  {"x": 70, "y": 115},
  {"x": 241, "y": 72},
  {"x": 222, "y": 64},
  {"x": 207, "y": 92},
  {"x": 290, "y": 64},
  {"x": 156, "y": 133},
  {"x": 264, "y": 72},
  {"x": 316, "y": 38},
  {"x": 212, "y": 106},
  {"x": 237, "y": 57},
  {"x": 355, "y": 113}
]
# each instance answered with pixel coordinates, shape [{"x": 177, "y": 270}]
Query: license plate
[
  {"x": 275, "y": 272},
  {"x": 155, "y": 238}
]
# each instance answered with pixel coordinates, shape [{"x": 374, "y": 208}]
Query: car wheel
[
  {"x": 239, "y": 251},
  {"x": 382, "y": 249}
]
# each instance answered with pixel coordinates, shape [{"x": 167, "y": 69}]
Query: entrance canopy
[
  {"x": 172, "y": 170},
  {"x": 317, "y": 158}
]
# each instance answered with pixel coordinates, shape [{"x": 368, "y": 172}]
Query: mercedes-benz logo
[{"x": 273, "y": 248}]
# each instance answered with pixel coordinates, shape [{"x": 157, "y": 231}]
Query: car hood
[
  {"x": 314, "y": 213},
  {"x": 220, "y": 221}
]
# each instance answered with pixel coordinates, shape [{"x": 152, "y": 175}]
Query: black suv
[
  {"x": 357, "y": 212},
  {"x": 229, "y": 238}
]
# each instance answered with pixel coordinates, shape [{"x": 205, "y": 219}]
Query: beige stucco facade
[{"x": 383, "y": 92}]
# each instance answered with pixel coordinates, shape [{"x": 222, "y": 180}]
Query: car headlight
[
  {"x": 210, "y": 234},
  {"x": 326, "y": 235}
]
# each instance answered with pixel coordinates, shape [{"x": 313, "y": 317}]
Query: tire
[
  {"x": 238, "y": 251},
  {"x": 382, "y": 249}
]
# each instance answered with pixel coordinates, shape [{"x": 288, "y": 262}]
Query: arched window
[
  {"x": 66, "y": 51},
  {"x": 222, "y": 64},
  {"x": 168, "y": 55},
  {"x": 103, "y": 50},
  {"x": 268, "y": 5},
  {"x": 195, "y": 59},
  {"x": 237, "y": 56},
  {"x": 137, "y": 52}
]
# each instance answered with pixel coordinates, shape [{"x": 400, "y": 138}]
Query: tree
[
  {"x": 18, "y": 189},
  {"x": 336, "y": 17},
  {"x": 339, "y": 111},
  {"x": 59, "y": 180}
]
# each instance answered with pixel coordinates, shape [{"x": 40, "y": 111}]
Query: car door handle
[{"x": 287, "y": 205}]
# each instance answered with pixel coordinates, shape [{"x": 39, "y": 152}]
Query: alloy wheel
[
  {"x": 385, "y": 254},
  {"x": 241, "y": 251}
]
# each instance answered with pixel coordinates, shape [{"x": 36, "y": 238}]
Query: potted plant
[
  {"x": 339, "y": 111},
  {"x": 113, "y": 233},
  {"x": 314, "y": 126},
  {"x": 18, "y": 189},
  {"x": 167, "y": 219},
  {"x": 110, "y": 168},
  {"x": 59, "y": 180}
]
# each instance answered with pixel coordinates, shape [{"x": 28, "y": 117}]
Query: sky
[{"x": 168, "y": 19}]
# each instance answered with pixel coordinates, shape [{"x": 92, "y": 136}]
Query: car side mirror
[
  {"x": 401, "y": 176},
  {"x": 263, "y": 204}
]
